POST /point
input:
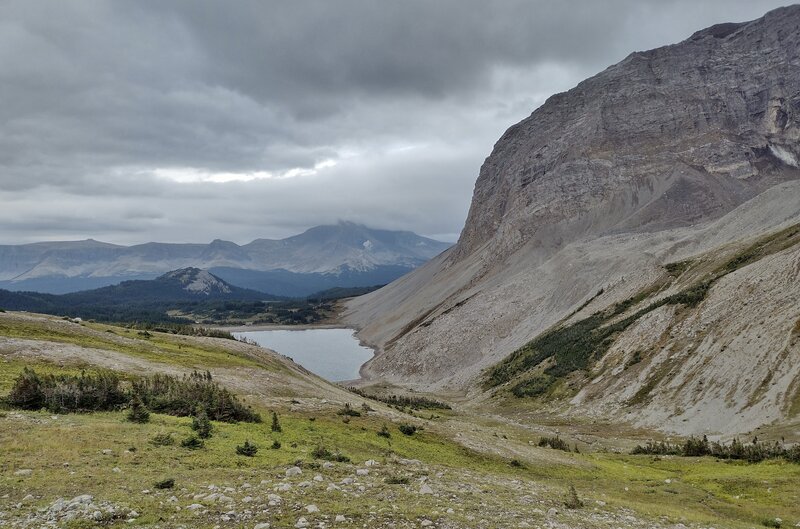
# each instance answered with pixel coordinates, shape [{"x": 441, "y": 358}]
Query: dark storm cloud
[{"x": 122, "y": 120}]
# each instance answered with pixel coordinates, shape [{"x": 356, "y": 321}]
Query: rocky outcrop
[{"x": 654, "y": 159}]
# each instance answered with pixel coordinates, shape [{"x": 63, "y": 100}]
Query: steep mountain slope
[
  {"x": 345, "y": 249},
  {"x": 685, "y": 151}
]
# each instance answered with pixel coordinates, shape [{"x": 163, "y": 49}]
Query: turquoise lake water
[{"x": 333, "y": 354}]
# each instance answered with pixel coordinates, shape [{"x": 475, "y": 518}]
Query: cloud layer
[{"x": 189, "y": 121}]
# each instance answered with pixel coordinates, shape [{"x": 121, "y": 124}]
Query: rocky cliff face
[{"x": 673, "y": 153}]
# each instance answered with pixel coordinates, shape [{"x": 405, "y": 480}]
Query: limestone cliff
[{"x": 675, "y": 153}]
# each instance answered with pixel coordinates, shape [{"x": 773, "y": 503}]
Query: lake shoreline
[{"x": 279, "y": 327}]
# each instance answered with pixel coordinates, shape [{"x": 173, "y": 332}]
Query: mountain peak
[{"x": 197, "y": 281}]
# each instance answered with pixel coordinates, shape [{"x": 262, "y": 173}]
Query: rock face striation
[{"x": 684, "y": 152}]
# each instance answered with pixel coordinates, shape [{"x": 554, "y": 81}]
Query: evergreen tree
[
  {"x": 201, "y": 424},
  {"x": 276, "y": 426},
  {"x": 138, "y": 413}
]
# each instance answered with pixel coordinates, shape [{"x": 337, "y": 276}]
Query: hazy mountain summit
[
  {"x": 346, "y": 248},
  {"x": 652, "y": 195}
]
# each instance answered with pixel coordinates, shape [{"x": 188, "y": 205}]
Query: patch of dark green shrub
[
  {"x": 556, "y": 443},
  {"x": 158, "y": 393},
  {"x": 320, "y": 452},
  {"x": 248, "y": 449},
  {"x": 164, "y": 484},
  {"x": 67, "y": 393},
  {"x": 137, "y": 412},
  {"x": 192, "y": 443},
  {"x": 348, "y": 411},
  {"x": 183, "y": 396},
  {"x": 572, "y": 501},
  {"x": 276, "y": 425},
  {"x": 753, "y": 452},
  {"x": 407, "y": 429},
  {"x": 384, "y": 432},
  {"x": 201, "y": 424},
  {"x": 403, "y": 401},
  {"x": 276, "y": 445},
  {"x": 162, "y": 439},
  {"x": 397, "y": 480}
]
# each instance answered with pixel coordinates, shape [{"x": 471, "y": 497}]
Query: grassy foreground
[{"x": 426, "y": 479}]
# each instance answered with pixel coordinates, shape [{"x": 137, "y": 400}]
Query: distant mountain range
[
  {"x": 341, "y": 255},
  {"x": 137, "y": 296}
]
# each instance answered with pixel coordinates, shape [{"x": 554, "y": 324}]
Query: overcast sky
[{"x": 188, "y": 121}]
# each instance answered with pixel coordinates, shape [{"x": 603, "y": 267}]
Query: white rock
[
  {"x": 362, "y": 472},
  {"x": 312, "y": 508},
  {"x": 283, "y": 487},
  {"x": 304, "y": 484},
  {"x": 370, "y": 463},
  {"x": 261, "y": 526},
  {"x": 116, "y": 470},
  {"x": 347, "y": 481},
  {"x": 302, "y": 522},
  {"x": 426, "y": 523},
  {"x": 328, "y": 465},
  {"x": 23, "y": 472},
  {"x": 274, "y": 497},
  {"x": 340, "y": 518},
  {"x": 318, "y": 478},
  {"x": 425, "y": 489},
  {"x": 194, "y": 507},
  {"x": 107, "y": 452},
  {"x": 83, "y": 499},
  {"x": 293, "y": 471},
  {"x": 552, "y": 511}
]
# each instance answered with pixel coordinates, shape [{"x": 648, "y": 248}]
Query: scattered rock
[
  {"x": 23, "y": 472},
  {"x": 425, "y": 489},
  {"x": 293, "y": 471}
]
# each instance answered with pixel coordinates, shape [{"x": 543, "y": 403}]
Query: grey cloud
[{"x": 406, "y": 96}]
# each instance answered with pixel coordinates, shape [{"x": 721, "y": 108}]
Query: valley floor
[{"x": 460, "y": 469}]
